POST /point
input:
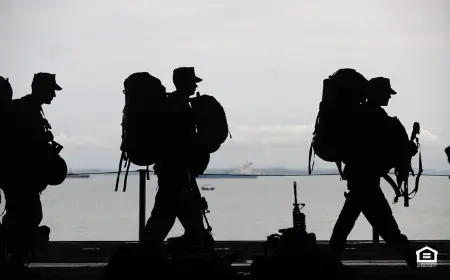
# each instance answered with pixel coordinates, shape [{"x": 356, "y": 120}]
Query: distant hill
[
  {"x": 271, "y": 171},
  {"x": 91, "y": 170},
  {"x": 265, "y": 171}
]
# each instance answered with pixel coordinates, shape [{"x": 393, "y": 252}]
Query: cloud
[
  {"x": 288, "y": 134},
  {"x": 276, "y": 134},
  {"x": 85, "y": 141},
  {"x": 241, "y": 135},
  {"x": 425, "y": 135}
]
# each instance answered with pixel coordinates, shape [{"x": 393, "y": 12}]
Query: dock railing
[
  {"x": 143, "y": 185},
  {"x": 142, "y": 203}
]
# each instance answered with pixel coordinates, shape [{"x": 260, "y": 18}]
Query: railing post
[
  {"x": 375, "y": 236},
  {"x": 142, "y": 196}
]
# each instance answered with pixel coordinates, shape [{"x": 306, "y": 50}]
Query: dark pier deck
[{"x": 86, "y": 260}]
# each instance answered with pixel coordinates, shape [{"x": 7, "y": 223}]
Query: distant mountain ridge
[{"x": 264, "y": 171}]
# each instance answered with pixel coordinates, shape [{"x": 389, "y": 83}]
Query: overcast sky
[{"x": 263, "y": 61}]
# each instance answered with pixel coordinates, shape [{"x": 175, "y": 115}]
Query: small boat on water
[{"x": 208, "y": 187}]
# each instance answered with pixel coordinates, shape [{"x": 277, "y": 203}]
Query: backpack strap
[
  {"x": 395, "y": 187},
  {"x": 406, "y": 193},
  {"x": 127, "y": 165},
  {"x": 128, "y": 162},
  {"x": 47, "y": 126},
  {"x": 420, "y": 166},
  {"x": 122, "y": 157},
  {"x": 419, "y": 173},
  {"x": 312, "y": 155}
]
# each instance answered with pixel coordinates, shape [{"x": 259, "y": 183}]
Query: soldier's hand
[{"x": 396, "y": 199}]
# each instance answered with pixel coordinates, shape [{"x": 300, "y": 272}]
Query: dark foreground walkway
[{"x": 85, "y": 260}]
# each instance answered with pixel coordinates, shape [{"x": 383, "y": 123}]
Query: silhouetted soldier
[
  {"x": 178, "y": 194},
  {"x": 363, "y": 172},
  {"x": 6, "y": 94},
  {"x": 30, "y": 151}
]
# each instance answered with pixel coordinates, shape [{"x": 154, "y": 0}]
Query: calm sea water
[{"x": 241, "y": 209}]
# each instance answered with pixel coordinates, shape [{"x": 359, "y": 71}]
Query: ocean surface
[{"x": 241, "y": 209}]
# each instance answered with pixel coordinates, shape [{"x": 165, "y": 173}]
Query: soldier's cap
[
  {"x": 381, "y": 84},
  {"x": 185, "y": 74},
  {"x": 45, "y": 80}
]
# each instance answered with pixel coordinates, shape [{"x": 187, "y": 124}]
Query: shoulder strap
[
  {"x": 395, "y": 187},
  {"x": 311, "y": 156},
  {"x": 47, "y": 125},
  {"x": 419, "y": 173},
  {"x": 312, "y": 153}
]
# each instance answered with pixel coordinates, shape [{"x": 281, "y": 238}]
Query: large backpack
[
  {"x": 211, "y": 122},
  {"x": 343, "y": 92},
  {"x": 145, "y": 103}
]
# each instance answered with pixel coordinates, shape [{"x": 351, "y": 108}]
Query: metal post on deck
[
  {"x": 142, "y": 195},
  {"x": 375, "y": 237}
]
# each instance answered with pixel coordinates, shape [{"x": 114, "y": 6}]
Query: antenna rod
[{"x": 295, "y": 193}]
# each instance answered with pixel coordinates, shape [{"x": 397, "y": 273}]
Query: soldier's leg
[
  {"x": 379, "y": 214},
  {"x": 344, "y": 224},
  {"x": 190, "y": 212},
  {"x": 21, "y": 222},
  {"x": 191, "y": 217},
  {"x": 165, "y": 209}
]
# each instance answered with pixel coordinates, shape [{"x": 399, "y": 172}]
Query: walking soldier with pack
[
  {"x": 163, "y": 130},
  {"x": 192, "y": 125},
  {"x": 32, "y": 144},
  {"x": 177, "y": 134},
  {"x": 367, "y": 157}
]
